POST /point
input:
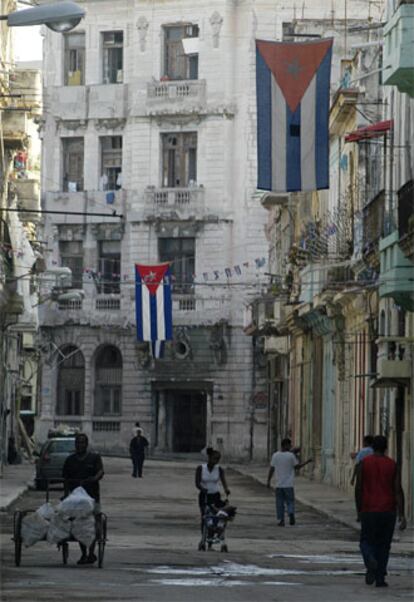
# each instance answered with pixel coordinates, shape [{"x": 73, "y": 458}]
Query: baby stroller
[{"x": 214, "y": 523}]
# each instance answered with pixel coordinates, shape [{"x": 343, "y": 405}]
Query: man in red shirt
[{"x": 380, "y": 497}]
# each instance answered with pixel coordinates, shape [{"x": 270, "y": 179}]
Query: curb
[{"x": 15, "y": 496}]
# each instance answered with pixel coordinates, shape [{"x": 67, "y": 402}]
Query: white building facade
[{"x": 163, "y": 133}]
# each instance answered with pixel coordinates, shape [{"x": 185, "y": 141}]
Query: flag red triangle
[
  {"x": 152, "y": 275},
  {"x": 293, "y": 65}
]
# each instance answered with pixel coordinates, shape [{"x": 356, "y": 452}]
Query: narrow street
[{"x": 151, "y": 553}]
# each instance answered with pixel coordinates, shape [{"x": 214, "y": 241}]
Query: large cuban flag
[
  {"x": 153, "y": 304},
  {"x": 292, "y": 83}
]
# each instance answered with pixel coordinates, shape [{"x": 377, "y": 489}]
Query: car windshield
[{"x": 62, "y": 446}]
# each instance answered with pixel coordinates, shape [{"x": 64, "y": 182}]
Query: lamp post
[{"x": 60, "y": 17}]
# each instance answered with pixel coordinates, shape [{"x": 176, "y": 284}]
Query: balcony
[
  {"x": 398, "y": 49},
  {"x": 14, "y": 124},
  {"x": 373, "y": 225},
  {"x": 393, "y": 364},
  {"x": 181, "y": 201},
  {"x": 94, "y": 201},
  {"x": 184, "y": 303},
  {"x": 28, "y": 193},
  {"x": 406, "y": 218},
  {"x": 396, "y": 273},
  {"x": 68, "y": 102},
  {"x": 182, "y": 96},
  {"x": 108, "y": 303}
]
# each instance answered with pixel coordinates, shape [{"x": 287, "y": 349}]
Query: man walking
[
  {"x": 84, "y": 469},
  {"x": 366, "y": 450},
  {"x": 284, "y": 463},
  {"x": 380, "y": 497},
  {"x": 137, "y": 448}
]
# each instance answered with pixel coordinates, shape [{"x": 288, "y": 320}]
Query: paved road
[{"x": 152, "y": 556}]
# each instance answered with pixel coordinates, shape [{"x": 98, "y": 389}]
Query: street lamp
[{"x": 60, "y": 16}]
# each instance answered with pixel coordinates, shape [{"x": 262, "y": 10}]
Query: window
[
  {"x": 179, "y": 159},
  {"x": 113, "y": 48},
  {"x": 179, "y": 64},
  {"x": 108, "y": 377},
  {"x": 181, "y": 253},
  {"x": 111, "y": 162},
  {"x": 109, "y": 266},
  {"x": 72, "y": 164},
  {"x": 74, "y": 59},
  {"x": 70, "y": 384},
  {"x": 71, "y": 256}
]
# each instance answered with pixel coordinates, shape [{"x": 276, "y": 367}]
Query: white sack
[
  {"x": 77, "y": 504},
  {"x": 59, "y": 529},
  {"x": 83, "y": 529},
  {"x": 34, "y": 528},
  {"x": 46, "y": 511}
]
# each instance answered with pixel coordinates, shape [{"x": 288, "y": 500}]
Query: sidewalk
[
  {"x": 329, "y": 500},
  {"x": 16, "y": 479}
]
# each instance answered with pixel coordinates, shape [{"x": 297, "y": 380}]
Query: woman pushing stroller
[
  {"x": 214, "y": 511},
  {"x": 207, "y": 480}
]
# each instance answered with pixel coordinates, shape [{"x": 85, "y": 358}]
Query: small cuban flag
[
  {"x": 292, "y": 88},
  {"x": 153, "y": 305}
]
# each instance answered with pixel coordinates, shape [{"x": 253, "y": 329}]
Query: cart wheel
[
  {"x": 224, "y": 548},
  {"x": 17, "y": 536},
  {"x": 101, "y": 548},
  {"x": 65, "y": 552}
]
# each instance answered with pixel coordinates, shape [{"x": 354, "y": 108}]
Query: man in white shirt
[{"x": 284, "y": 463}]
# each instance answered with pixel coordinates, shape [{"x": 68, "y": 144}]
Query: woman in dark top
[{"x": 137, "y": 448}]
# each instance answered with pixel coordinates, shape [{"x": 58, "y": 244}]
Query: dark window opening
[
  {"x": 74, "y": 59},
  {"x": 177, "y": 63},
  {"x": 179, "y": 151},
  {"x": 71, "y": 256},
  {"x": 181, "y": 253},
  {"x": 111, "y": 162},
  {"x": 108, "y": 377},
  {"x": 109, "y": 266},
  {"x": 113, "y": 48},
  {"x": 73, "y": 158},
  {"x": 71, "y": 376}
]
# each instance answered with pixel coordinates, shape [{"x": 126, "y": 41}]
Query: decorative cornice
[{"x": 110, "y": 124}]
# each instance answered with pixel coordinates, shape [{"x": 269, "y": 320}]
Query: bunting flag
[
  {"x": 292, "y": 88},
  {"x": 153, "y": 303}
]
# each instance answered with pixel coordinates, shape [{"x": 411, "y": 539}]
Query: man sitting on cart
[{"x": 84, "y": 469}]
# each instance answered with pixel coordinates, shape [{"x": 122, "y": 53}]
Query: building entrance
[{"x": 188, "y": 410}]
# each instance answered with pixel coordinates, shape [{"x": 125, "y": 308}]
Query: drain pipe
[{"x": 252, "y": 408}]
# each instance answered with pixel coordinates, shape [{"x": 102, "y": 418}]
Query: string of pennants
[{"x": 212, "y": 275}]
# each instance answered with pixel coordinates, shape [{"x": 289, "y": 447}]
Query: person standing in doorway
[
  {"x": 284, "y": 463},
  {"x": 366, "y": 450},
  {"x": 137, "y": 447},
  {"x": 380, "y": 498}
]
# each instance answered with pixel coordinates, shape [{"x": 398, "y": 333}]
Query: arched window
[
  {"x": 108, "y": 381},
  {"x": 70, "y": 382}
]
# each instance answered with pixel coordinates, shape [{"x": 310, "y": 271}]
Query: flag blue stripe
[
  {"x": 323, "y": 77},
  {"x": 138, "y": 306},
  {"x": 293, "y": 162},
  {"x": 153, "y": 317},
  {"x": 168, "y": 306},
  {"x": 264, "y": 123}
]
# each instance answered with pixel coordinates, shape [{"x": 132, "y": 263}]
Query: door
[{"x": 189, "y": 421}]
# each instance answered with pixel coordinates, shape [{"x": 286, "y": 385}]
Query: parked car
[{"x": 52, "y": 456}]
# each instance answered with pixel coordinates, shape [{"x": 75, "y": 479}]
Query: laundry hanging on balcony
[
  {"x": 292, "y": 88},
  {"x": 153, "y": 305}
]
